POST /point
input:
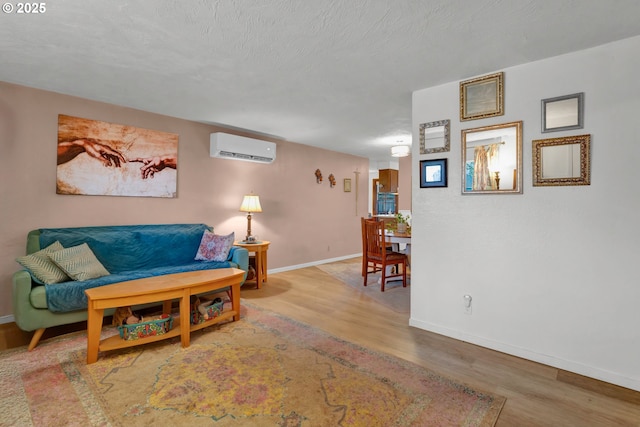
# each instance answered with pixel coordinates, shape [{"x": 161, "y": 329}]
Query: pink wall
[
  {"x": 305, "y": 221},
  {"x": 404, "y": 183}
]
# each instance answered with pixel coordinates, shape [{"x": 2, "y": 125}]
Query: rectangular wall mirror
[
  {"x": 563, "y": 113},
  {"x": 434, "y": 137},
  {"x": 492, "y": 159},
  {"x": 482, "y": 97},
  {"x": 562, "y": 161}
]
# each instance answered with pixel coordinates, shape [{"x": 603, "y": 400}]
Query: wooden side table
[{"x": 260, "y": 249}]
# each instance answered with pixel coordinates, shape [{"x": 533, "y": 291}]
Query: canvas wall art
[{"x": 100, "y": 158}]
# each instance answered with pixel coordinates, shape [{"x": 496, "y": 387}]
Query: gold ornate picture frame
[
  {"x": 562, "y": 161},
  {"x": 482, "y": 97}
]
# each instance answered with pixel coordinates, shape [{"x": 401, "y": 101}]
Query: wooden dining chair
[
  {"x": 365, "y": 264},
  {"x": 376, "y": 253}
]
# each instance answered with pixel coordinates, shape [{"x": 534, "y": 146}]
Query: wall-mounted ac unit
[{"x": 228, "y": 146}]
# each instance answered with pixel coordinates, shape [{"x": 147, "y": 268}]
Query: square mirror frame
[
  {"x": 493, "y": 132},
  {"x": 433, "y": 173},
  {"x": 446, "y": 145}
]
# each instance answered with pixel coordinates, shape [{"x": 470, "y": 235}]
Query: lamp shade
[
  {"x": 251, "y": 203},
  {"x": 400, "y": 151}
]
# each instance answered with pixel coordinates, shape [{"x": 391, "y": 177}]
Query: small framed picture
[
  {"x": 347, "y": 185},
  {"x": 433, "y": 173},
  {"x": 482, "y": 97},
  {"x": 434, "y": 137},
  {"x": 563, "y": 113}
]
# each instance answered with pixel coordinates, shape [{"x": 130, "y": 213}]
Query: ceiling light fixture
[{"x": 400, "y": 151}]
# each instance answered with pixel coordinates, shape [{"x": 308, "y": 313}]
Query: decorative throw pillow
[
  {"x": 214, "y": 247},
  {"x": 79, "y": 262},
  {"x": 41, "y": 268}
]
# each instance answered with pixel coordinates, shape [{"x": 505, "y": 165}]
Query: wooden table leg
[
  {"x": 258, "y": 268},
  {"x": 185, "y": 318},
  {"x": 94, "y": 327},
  {"x": 264, "y": 265},
  {"x": 235, "y": 300},
  {"x": 166, "y": 307}
]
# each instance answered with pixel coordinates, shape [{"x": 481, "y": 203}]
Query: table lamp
[{"x": 250, "y": 204}]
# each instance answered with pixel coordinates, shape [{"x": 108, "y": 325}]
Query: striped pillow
[
  {"x": 79, "y": 262},
  {"x": 41, "y": 268}
]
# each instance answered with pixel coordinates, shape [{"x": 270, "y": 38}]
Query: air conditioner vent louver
[
  {"x": 229, "y": 146},
  {"x": 248, "y": 157}
]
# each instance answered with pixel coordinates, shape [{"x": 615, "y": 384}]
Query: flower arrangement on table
[{"x": 403, "y": 223}]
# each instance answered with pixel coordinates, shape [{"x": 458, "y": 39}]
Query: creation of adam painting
[{"x": 100, "y": 158}]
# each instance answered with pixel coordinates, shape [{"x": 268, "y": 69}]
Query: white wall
[{"x": 553, "y": 271}]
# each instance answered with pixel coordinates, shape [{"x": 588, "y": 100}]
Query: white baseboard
[
  {"x": 567, "y": 365},
  {"x": 311, "y": 264},
  {"x": 7, "y": 319}
]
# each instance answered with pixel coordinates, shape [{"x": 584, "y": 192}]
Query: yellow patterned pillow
[
  {"x": 41, "y": 268},
  {"x": 79, "y": 262}
]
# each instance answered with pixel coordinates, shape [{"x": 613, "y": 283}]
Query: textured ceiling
[{"x": 329, "y": 73}]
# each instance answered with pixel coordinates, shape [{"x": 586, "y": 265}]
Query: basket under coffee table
[{"x": 159, "y": 288}]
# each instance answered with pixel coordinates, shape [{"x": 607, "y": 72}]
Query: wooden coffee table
[{"x": 159, "y": 288}]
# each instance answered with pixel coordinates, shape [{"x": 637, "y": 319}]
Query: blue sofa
[{"x": 127, "y": 252}]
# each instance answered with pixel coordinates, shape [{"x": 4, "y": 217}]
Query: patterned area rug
[
  {"x": 265, "y": 370},
  {"x": 394, "y": 296}
]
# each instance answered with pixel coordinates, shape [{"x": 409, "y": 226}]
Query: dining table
[{"x": 396, "y": 239}]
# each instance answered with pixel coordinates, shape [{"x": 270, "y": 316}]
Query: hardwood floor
[{"x": 537, "y": 395}]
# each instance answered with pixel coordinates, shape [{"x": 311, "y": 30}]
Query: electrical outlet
[{"x": 467, "y": 304}]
